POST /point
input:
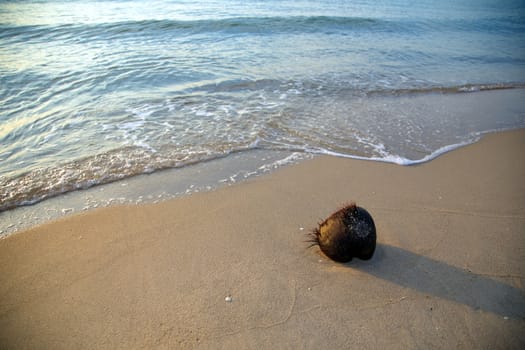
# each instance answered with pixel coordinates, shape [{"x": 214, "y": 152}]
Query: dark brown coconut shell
[{"x": 349, "y": 232}]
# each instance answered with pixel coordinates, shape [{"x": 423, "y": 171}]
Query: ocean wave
[
  {"x": 249, "y": 25},
  {"x": 234, "y": 25},
  {"x": 344, "y": 86},
  {"x": 42, "y": 183},
  {"x": 455, "y": 89}
]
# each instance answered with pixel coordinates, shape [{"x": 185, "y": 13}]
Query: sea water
[{"x": 97, "y": 91}]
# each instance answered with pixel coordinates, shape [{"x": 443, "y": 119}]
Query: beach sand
[{"x": 231, "y": 269}]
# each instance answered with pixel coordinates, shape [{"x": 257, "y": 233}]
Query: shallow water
[{"x": 97, "y": 91}]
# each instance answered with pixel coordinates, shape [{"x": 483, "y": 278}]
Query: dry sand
[{"x": 448, "y": 271}]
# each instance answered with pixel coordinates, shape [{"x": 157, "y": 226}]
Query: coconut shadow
[{"x": 442, "y": 280}]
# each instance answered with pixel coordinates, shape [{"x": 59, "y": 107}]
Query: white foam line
[
  {"x": 294, "y": 157},
  {"x": 397, "y": 159}
]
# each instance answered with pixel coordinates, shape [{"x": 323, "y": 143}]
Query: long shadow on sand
[{"x": 439, "y": 279}]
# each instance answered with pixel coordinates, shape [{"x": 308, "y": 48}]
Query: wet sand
[{"x": 230, "y": 268}]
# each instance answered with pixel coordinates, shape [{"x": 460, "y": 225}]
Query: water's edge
[
  {"x": 174, "y": 183},
  {"x": 150, "y": 188},
  {"x": 405, "y": 129}
]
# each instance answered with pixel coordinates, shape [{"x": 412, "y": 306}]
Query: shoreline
[
  {"x": 229, "y": 268},
  {"x": 153, "y": 188},
  {"x": 427, "y": 126},
  {"x": 193, "y": 178}
]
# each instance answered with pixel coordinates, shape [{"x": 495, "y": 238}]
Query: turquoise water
[{"x": 96, "y": 91}]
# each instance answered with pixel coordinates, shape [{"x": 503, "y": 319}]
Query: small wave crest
[
  {"x": 234, "y": 25},
  {"x": 344, "y": 85},
  {"x": 456, "y": 89},
  {"x": 264, "y": 25},
  {"x": 37, "y": 185}
]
